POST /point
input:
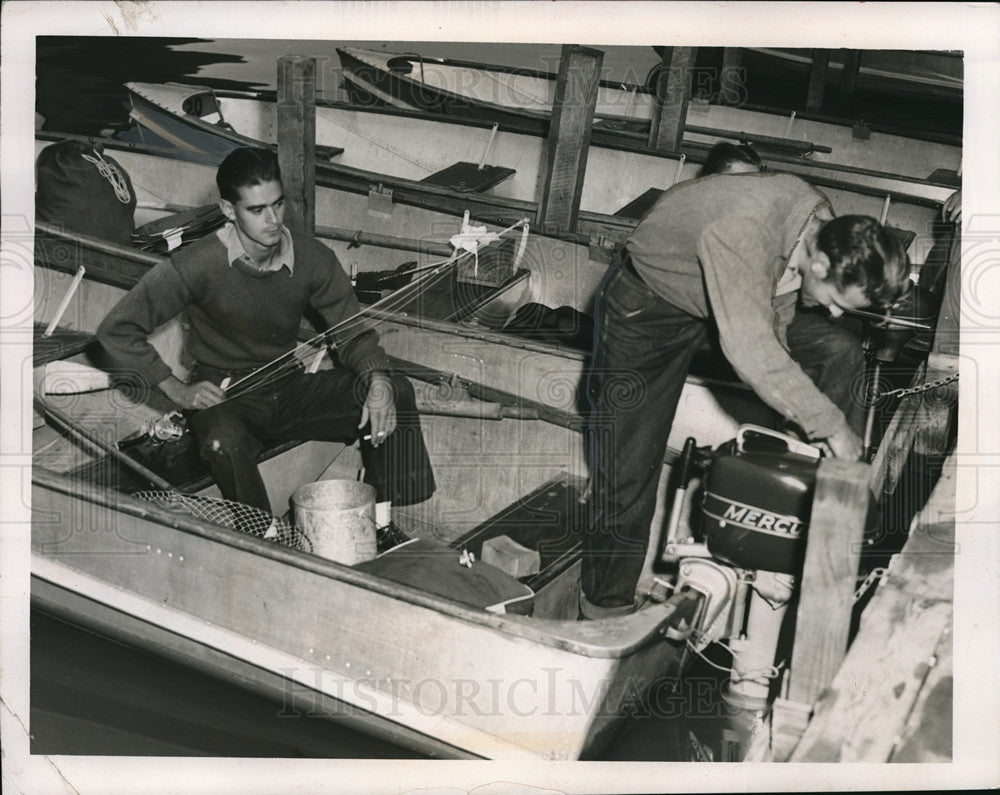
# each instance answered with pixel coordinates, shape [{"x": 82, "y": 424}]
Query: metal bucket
[{"x": 338, "y": 517}]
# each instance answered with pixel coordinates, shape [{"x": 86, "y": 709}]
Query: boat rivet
[
  {"x": 159, "y": 551},
  {"x": 170, "y": 554},
  {"x": 180, "y": 557}
]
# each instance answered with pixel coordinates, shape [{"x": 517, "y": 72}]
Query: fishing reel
[{"x": 171, "y": 427}]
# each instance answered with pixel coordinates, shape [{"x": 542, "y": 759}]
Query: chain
[
  {"x": 869, "y": 581},
  {"x": 901, "y": 392}
]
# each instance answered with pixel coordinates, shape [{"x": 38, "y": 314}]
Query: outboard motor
[{"x": 757, "y": 497}]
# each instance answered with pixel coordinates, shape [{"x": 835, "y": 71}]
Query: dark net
[{"x": 234, "y": 515}]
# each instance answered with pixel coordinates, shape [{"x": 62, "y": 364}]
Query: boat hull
[{"x": 489, "y": 685}]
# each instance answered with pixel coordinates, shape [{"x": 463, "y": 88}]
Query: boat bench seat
[
  {"x": 61, "y": 344},
  {"x": 177, "y": 462},
  {"x": 469, "y": 177},
  {"x": 640, "y": 205}
]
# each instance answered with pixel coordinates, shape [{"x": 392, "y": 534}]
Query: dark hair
[
  {"x": 244, "y": 167},
  {"x": 724, "y": 154},
  {"x": 862, "y": 252}
]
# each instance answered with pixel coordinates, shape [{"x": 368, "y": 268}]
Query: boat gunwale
[
  {"x": 625, "y": 635},
  {"x": 624, "y": 86},
  {"x": 452, "y": 328}
]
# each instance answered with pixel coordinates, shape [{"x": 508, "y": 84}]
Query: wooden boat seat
[
  {"x": 469, "y": 177},
  {"x": 945, "y": 176},
  {"x": 61, "y": 344},
  {"x": 640, "y": 205},
  {"x": 456, "y": 299},
  {"x": 177, "y": 462}
]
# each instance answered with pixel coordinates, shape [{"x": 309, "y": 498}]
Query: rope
[
  {"x": 770, "y": 672},
  {"x": 113, "y": 175}
]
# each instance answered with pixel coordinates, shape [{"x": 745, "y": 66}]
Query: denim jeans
[
  {"x": 643, "y": 349},
  {"x": 324, "y": 406}
]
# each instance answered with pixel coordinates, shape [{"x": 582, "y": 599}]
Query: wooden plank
[
  {"x": 849, "y": 76},
  {"x": 297, "y": 139},
  {"x": 927, "y": 736},
  {"x": 569, "y": 137},
  {"x": 61, "y": 344},
  {"x": 891, "y": 695},
  {"x": 673, "y": 90},
  {"x": 938, "y": 407},
  {"x": 826, "y": 598},
  {"x": 469, "y": 176},
  {"x": 817, "y": 79},
  {"x": 732, "y": 79}
]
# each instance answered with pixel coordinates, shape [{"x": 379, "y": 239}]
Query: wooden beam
[
  {"x": 849, "y": 76},
  {"x": 889, "y": 700},
  {"x": 732, "y": 80},
  {"x": 297, "y": 139},
  {"x": 673, "y": 90},
  {"x": 826, "y": 597},
  {"x": 817, "y": 79},
  {"x": 569, "y": 138}
]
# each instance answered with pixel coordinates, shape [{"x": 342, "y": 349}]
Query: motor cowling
[{"x": 757, "y": 500}]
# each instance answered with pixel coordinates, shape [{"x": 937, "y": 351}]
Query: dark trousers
[
  {"x": 324, "y": 406},
  {"x": 643, "y": 349}
]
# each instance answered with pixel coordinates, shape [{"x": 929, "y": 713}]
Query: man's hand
[
  {"x": 951, "y": 210},
  {"x": 845, "y": 444},
  {"x": 192, "y": 396},
  {"x": 379, "y": 408}
]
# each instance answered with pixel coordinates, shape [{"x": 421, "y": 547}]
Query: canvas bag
[{"x": 83, "y": 190}]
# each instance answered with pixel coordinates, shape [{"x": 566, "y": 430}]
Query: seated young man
[
  {"x": 244, "y": 291},
  {"x": 761, "y": 257}
]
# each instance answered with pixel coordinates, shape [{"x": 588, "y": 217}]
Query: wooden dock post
[
  {"x": 817, "y": 79},
  {"x": 673, "y": 90},
  {"x": 849, "y": 77},
  {"x": 891, "y": 700},
  {"x": 569, "y": 138},
  {"x": 828, "y": 582},
  {"x": 297, "y": 139}
]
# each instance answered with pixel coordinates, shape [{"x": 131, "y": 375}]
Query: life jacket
[{"x": 83, "y": 190}]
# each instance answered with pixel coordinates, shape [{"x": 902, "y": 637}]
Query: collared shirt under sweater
[{"x": 239, "y": 317}]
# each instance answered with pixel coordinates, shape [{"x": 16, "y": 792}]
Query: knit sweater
[
  {"x": 718, "y": 247},
  {"x": 239, "y": 318}
]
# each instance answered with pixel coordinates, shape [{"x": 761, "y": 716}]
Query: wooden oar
[{"x": 79, "y": 431}]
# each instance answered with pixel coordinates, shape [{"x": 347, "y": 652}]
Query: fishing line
[{"x": 288, "y": 362}]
